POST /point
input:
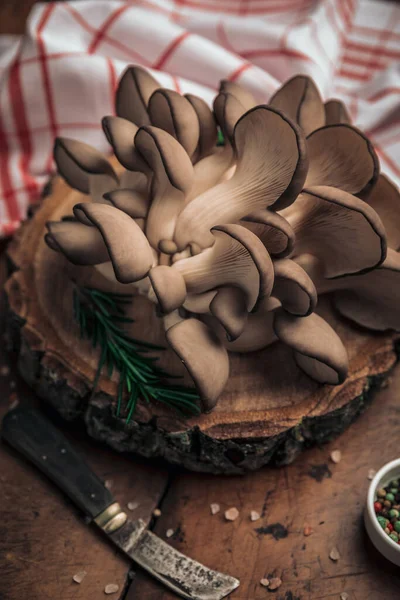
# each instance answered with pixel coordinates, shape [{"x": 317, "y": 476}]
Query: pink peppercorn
[{"x": 377, "y": 507}]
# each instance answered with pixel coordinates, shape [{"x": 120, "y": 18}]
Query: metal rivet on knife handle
[{"x": 112, "y": 518}]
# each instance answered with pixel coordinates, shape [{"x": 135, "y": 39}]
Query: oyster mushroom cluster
[{"x": 234, "y": 242}]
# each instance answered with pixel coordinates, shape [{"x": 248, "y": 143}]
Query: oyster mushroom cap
[
  {"x": 133, "y": 94},
  {"x": 371, "y": 300},
  {"x": 228, "y": 110},
  {"x": 294, "y": 288},
  {"x": 286, "y": 140},
  {"x": 169, "y": 288},
  {"x": 229, "y": 307},
  {"x": 245, "y": 97},
  {"x": 171, "y": 182},
  {"x": 385, "y": 200},
  {"x": 275, "y": 232},
  {"x": 342, "y": 231},
  {"x": 165, "y": 156},
  {"x": 343, "y": 157},
  {"x": 258, "y": 253},
  {"x": 120, "y": 133},
  {"x": 257, "y": 333},
  {"x": 336, "y": 112},
  {"x": 82, "y": 245},
  {"x": 318, "y": 350},
  {"x": 203, "y": 355},
  {"x": 77, "y": 161},
  {"x": 207, "y": 126},
  {"x": 299, "y": 99},
  {"x": 128, "y": 248},
  {"x": 271, "y": 170},
  {"x": 174, "y": 113},
  {"x": 134, "y": 203}
]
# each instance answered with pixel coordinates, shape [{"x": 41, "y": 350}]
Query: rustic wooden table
[{"x": 44, "y": 540}]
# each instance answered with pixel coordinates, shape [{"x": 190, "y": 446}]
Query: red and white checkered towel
[{"x": 60, "y": 77}]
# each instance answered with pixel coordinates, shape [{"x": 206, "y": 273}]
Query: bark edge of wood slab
[{"x": 268, "y": 413}]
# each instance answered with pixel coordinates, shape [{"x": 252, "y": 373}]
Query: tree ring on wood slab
[{"x": 268, "y": 412}]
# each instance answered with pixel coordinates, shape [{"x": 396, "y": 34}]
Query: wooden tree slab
[{"x": 267, "y": 414}]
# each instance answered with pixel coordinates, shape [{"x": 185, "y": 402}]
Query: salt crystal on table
[
  {"x": 264, "y": 582},
  {"x": 275, "y": 583},
  {"x": 169, "y": 533},
  {"x": 336, "y": 456},
  {"x": 156, "y": 512},
  {"x": 344, "y": 596},
  {"x": 231, "y": 514},
  {"x": 307, "y": 530},
  {"x": 133, "y": 505},
  {"x": 371, "y": 474},
  {"x": 215, "y": 508},
  {"x": 334, "y": 554},
  {"x": 111, "y": 588},
  {"x": 254, "y": 515},
  {"x": 79, "y": 577}
]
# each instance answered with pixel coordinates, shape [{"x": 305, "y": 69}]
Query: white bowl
[{"x": 382, "y": 542}]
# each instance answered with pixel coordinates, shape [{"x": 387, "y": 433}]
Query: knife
[{"x": 27, "y": 431}]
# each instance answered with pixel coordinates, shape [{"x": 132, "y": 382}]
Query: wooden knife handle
[{"x": 33, "y": 435}]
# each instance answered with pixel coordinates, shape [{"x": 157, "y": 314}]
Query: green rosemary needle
[{"x": 99, "y": 316}]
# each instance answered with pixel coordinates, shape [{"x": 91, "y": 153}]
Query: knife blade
[{"x": 34, "y": 436}]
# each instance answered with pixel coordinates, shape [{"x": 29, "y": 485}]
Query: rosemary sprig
[
  {"x": 100, "y": 316},
  {"x": 220, "y": 138}
]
